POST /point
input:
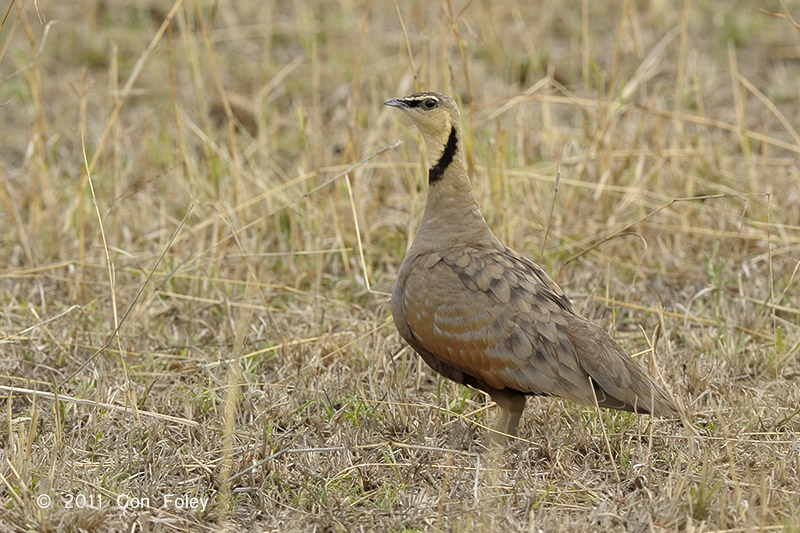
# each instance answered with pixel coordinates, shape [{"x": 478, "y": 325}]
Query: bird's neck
[{"x": 451, "y": 212}]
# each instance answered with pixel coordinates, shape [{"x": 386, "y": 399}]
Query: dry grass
[{"x": 185, "y": 310}]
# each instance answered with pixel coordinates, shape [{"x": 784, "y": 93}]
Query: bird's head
[{"x": 438, "y": 119}]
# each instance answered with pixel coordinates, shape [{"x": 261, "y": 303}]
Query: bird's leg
[{"x": 511, "y": 404}]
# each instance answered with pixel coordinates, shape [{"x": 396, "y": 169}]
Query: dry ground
[{"x": 204, "y": 208}]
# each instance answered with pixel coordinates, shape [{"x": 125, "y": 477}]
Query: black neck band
[{"x": 437, "y": 170}]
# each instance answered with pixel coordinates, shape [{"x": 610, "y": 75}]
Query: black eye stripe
[{"x": 416, "y": 102}]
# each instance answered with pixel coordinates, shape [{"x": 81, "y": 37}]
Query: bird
[{"x": 483, "y": 315}]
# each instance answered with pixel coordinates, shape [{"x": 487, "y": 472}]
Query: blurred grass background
[{"x": 204, "y": 205}]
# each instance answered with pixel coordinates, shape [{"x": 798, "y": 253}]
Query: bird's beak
[{"x": 396, "y": 102}]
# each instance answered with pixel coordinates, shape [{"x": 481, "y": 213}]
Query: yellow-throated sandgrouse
[{"x": 481, "y": 314}]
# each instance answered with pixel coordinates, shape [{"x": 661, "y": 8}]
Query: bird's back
[{"x": 495, "y": 319}]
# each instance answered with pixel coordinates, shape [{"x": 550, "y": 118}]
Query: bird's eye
[{"x": 430, "y": 103}]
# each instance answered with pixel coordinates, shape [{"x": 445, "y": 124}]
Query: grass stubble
[{"x": 205, "y": 205}]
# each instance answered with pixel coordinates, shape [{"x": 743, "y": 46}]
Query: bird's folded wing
[
  {"x": 488, "y": 314},
  {"x": 496, "y": 316}
]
